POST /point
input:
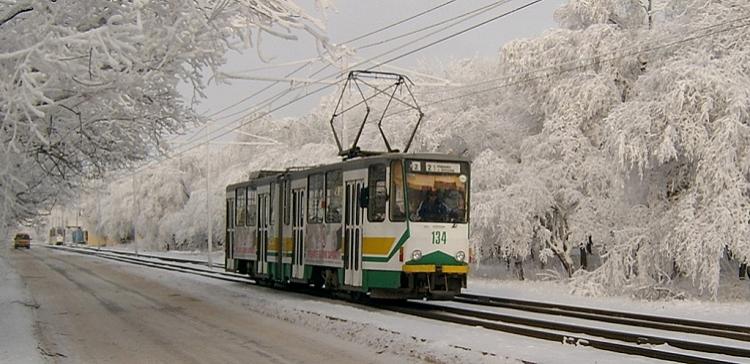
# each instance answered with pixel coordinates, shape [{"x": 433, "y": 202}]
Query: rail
[
  {"x": 629, "y": 343},
  {"x": 617, "y": 317}
]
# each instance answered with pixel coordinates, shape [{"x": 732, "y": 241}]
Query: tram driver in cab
[
  {"x": 440, "y": 207},
  {"x": 432, "y": 208}
]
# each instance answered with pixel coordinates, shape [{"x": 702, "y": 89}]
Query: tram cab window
[
  {"x": 398, "y": 211},
  {"x": 377, "y": 193},
  {"x": 334, "y": 195},
  {"x": 241, "y": 199},
  {"x": 437, "y": 191},
  {"x": 252, "y": 207},
  {"x": 315, "y": 198}
]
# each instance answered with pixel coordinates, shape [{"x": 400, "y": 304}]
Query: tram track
[
  {"x": 132, "y": 258},
  {"x": 715, "y": 329},
  {"x": 573, "y": 334},
  {"x": 651, "y": 346},
  {"x": 152, "y": 256}
]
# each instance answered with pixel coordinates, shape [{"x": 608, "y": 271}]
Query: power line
[
  {"x": 460, "y": 32},
  {"x": 478, "y": 11},
  {"x": 582, "y": 66},
  {"x": 598, "y": 57},
  {"x": 261, "y": 90},
  {"x": 177, "y": 154},
  {"x": 472, "y": 14},
  {"x": 402, "y": 21},
  {"x": 450, "y": 36},
  {"x": 203, "y": 127},
  {"x": 399, "y": 22}
]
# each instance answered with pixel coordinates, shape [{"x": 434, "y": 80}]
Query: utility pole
[
  {"x": 135, "y": 214},
  {"x": 208, "y": 198},
  {"x": 78, "y": 203},
  {"x": 98, "y": 212},
  {"x": 208, "y": 187}
]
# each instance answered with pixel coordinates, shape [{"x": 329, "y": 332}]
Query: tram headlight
[
  {"x": 461, "y": 256},
  {"x": 416, "y": 254}
]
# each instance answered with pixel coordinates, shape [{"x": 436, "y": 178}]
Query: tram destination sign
[{"x": 442, "y": 167}]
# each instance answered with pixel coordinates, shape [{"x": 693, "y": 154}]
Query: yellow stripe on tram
[
  {"x": 431, "y": 268},
  {"x": 273, "y": 245},
  {"x": 288, "y": 245},
  {"x": 372, "y": 245}
]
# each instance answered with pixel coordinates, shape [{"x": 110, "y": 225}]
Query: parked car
[{"x": 22, "y": 240}]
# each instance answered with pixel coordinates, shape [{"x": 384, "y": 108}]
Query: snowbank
[{"x": 17, "y": 341}]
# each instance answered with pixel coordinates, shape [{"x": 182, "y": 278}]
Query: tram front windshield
[{"x": 437, "y": 191}]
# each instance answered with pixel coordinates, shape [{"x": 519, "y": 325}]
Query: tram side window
[
  {"x": 377, "y": 193},
  {"x": 334, "y": 195},
  {"x": 315, "y": 198},
  {"x": 252, "y": 208},
  {"x": 398, "y": 212},
  {"x": 241, "y": 212}
]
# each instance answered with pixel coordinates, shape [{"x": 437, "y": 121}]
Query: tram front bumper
[{"x": 434, "y": 268}]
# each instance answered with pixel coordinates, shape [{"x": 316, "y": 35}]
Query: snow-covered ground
[
  {"x": 442, "y": 342},
  {"x": 17, "y": 341}
]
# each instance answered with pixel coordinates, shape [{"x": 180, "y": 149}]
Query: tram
[{"x": 390, "y": 225}]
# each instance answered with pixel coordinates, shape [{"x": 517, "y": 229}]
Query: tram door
[
  {"x": 229, "y": 249},
  {"x": 353, "y": 234},
  {"x": 275, "y": 238},
  {"x": 298, "y": 233},
  {"x": 263, "y": 231}
]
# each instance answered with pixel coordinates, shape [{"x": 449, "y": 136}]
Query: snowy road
[{"x": 91, "y": 310}]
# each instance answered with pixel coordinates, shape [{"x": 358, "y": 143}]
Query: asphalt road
[{"x": 91, "y": 310}]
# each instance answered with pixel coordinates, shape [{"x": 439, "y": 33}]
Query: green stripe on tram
[{"x": 401, "y": 241}]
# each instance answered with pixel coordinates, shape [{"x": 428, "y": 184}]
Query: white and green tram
[{"x": 393, "y": 225}]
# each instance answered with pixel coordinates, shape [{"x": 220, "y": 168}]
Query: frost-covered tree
[
  {"x": 684, "y": 133},
  {"x": 171, "y": 195},
  {"x": 643, "y": 140},
  {"x": 89, "y": 86},
  {"x": 580, "y": 14},
  {"x": 541, "y": 137}
]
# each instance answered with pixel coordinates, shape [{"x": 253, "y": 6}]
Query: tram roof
[{"x": 264, "y": 176}]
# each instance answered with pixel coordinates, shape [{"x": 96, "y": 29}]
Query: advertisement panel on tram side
[
  {"x": 245, "y": 245},
  {"x": 324, "y": 245}
]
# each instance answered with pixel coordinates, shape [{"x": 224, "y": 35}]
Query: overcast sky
[{"x": 349, "y": 19}]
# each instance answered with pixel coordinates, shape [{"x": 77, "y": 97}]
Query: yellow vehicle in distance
[{"x": 22, "y": 240}]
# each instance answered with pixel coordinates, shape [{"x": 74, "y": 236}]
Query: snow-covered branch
[
  {"x": 90, "y": 86},
  {"x": 15, "y": 10}
]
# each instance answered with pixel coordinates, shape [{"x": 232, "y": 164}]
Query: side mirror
[{"x": 364, "y": 197}]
